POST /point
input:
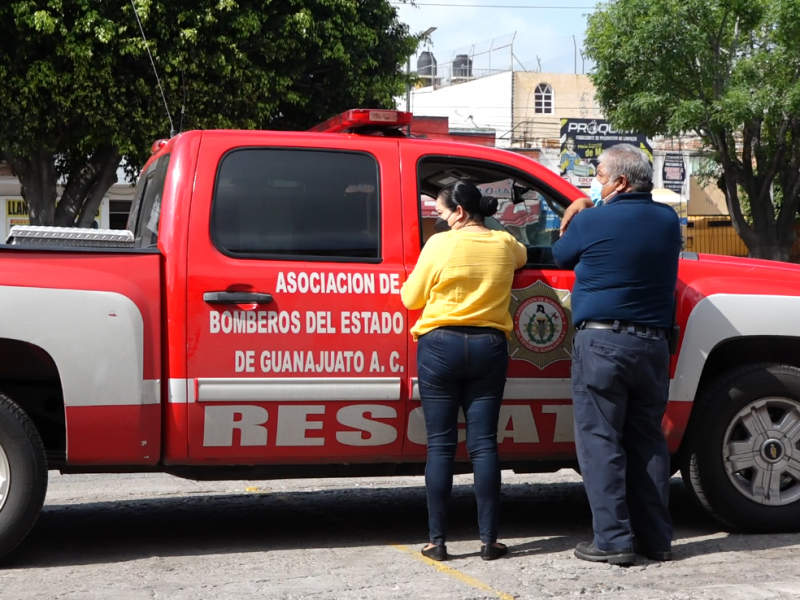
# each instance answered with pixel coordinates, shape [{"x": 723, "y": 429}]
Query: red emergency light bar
[
  {"x": 365, "y": 118},
  {"x": 158, "y": 145}
]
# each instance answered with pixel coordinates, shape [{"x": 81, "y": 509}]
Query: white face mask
[{"x": 596, "y": 193}]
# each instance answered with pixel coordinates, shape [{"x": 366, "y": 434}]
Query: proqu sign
[
  {"x": 592, "y": 128},
  {"x": 583, "y": 141}
]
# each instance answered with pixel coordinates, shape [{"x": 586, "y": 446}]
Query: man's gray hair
[{"x": 630, "y": 161}]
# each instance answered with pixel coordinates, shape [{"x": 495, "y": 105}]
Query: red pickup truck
[{"x": 255, "y": 329}]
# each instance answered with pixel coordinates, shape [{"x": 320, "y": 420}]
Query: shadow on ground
[{"x": 556, "y": 514}]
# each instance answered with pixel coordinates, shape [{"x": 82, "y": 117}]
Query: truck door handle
[{"x": 236, "y": 298}]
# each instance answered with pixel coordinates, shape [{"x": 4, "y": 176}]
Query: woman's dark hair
[{"x": 467, "y": 195}]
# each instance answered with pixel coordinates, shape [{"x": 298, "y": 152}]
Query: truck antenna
[{"x": 155, "y": 71}]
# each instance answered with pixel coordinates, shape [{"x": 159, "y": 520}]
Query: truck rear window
[
  {"x": 285, "y": 203},
  {"x": 145, "y": 215}
]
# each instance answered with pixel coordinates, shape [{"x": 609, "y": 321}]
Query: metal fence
[{"x": 714, "y": 235}]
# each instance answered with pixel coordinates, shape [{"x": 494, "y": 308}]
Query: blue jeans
[
  {"x": 462, "y": 367},
  {"x": 620, "y": 387}
]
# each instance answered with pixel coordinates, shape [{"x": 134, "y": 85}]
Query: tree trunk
[
  {"x": 84, "y": 184},
  {"x": 104, "y": 180},
  {"x": 38, "y": 179},
  {"x": 771, "y": 250},
  {"x": 766, "y": 238}
]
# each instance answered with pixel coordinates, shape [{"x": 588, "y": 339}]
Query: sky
[{"x": 544, "y": 29}]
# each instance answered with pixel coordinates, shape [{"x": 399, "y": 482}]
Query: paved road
[{"x": 132, "y": 537}]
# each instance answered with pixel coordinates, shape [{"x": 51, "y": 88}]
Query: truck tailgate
[{"x": 97, "y": 314}]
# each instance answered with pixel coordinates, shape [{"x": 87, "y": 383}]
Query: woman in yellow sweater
[{"x": 463, "y": 283}]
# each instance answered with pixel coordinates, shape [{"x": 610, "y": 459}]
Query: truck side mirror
[{"x": 518, "y": 194}]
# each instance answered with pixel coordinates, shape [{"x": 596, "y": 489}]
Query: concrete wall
[{"x": 487, "y": 100}]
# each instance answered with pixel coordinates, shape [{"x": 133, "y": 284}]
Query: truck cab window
[
  {"x": 287, "y": 203},
  {"x": 145, "y": 217},
  {"x": 529, "y": 213}
]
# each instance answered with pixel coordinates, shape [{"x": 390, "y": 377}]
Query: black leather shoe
[
  {"x": 659, "y": 555},
  {"x": 435, "y": 552},
  {"x": 588, "y": 551},
  {"x": 489, "y": 552}
]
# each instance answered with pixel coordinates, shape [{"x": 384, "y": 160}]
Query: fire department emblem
[{"x": 542, "y": 324}]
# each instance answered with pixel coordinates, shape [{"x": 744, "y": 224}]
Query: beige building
[{"x": 541, "y": 100}]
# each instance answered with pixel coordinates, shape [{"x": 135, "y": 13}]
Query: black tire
[
  {"x": 27, "y": 463},
  {"x": 725, "y": 412}
]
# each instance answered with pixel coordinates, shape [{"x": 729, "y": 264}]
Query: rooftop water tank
[
  {"x": 426, "y": 68},
  {"x": 462, "y": 67}
]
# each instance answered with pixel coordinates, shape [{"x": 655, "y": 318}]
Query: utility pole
[
  {"x": 575, "y": 43},
  {"x": 408, "y": 85}
]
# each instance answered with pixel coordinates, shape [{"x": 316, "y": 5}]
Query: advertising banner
[
  {"x": 16, "y": 214},
  {"x": 583, "y": 141},
  {"x": 674, "y": 172}
]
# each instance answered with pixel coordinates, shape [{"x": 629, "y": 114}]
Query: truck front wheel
[
  {"x": 23, "y": 474},
  {"x": 741, "y": 456}
]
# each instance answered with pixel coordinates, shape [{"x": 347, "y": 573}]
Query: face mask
[
  {"x": 441, "y": 225},
  {"x": 596, "y": 192}
]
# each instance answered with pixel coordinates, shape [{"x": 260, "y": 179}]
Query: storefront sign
[
  {"x": 17, "y": 214},
  {"x": 583, "y": 141}
]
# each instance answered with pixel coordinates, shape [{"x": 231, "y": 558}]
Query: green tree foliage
[
  {"x": 726, "y": 70},
  {"x": 79, "y": 96}
]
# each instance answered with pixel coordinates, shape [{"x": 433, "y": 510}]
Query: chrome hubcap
[
  {"x": 761, "y": 451},
  {"x": 5, "y": 477}
]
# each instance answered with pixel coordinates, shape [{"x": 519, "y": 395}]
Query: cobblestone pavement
[{"x": 132, "y": 537}]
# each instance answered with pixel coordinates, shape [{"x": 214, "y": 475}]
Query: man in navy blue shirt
[{"x": 625, "y": 256}]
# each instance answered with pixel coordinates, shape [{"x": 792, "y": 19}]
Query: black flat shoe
[
  {"x": 435, "y": 552},
  {"x": 588, "y": 551},
  {"x": 490, "y": 552}
]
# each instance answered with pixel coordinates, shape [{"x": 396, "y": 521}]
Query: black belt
[
  {"x": 473, "y": 330},
  {"x": 626, "y": 327}
]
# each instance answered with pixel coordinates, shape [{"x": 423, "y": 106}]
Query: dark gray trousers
[{"x": 620, "y": 384}]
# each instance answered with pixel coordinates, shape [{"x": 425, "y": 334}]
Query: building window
[
  {"x": 118, "y": 211},
  {"x": 543, "y": 99}
]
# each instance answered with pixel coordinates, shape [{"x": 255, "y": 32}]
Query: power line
[
  {"x": 496, "y": 6},
  {"x": 499, "y": 121},
  {"x": 507, "y": 107},
  {"x": 155, "y": 71}
]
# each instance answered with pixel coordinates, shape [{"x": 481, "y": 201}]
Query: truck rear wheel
[
  {"x": 23, "y": 474},
  {"x": 741, "y": 459}
]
